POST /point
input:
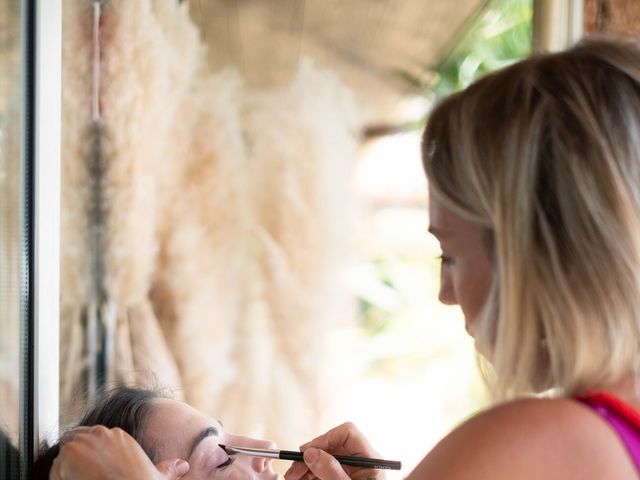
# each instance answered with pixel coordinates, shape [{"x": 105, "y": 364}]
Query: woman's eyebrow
[
  {"x": 438, "y": 232},
  {"x": 207, "y": 432}
]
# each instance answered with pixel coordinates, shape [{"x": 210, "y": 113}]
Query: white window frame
[
  {"x": 557, "y": 24},
  {"x": 47, "y": 136}
]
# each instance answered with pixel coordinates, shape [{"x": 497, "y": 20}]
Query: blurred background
[{"x": 410, "y": 365}]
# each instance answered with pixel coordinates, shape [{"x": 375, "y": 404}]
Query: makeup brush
[{"x": 363, "y": 462}]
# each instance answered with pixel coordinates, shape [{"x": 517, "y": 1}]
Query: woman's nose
[
  {"x": 446, "y": 295},
  {"x": 258, "y": 464}
]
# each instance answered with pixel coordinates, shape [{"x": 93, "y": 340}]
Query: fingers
[
  {"x": 54, "y": 473},
  {"x": 297, "y": 471},
  {"x": 172, "y": 469},
  {"x": 317, "y": 465},
  {"x": 69, "y": 435},
  {"x": 344, "y": 439},
  {"x": 324, "y": 466},
  {"x": 99, "y": 453},
  {"x": 320, "y": 463}
]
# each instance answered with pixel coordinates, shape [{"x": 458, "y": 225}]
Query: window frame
[{"x": 557, "y": 24}]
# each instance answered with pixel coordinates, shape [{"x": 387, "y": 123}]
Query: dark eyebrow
[
  {"x": 207, "y": 432},
  {"x": 437, "y": 232}
]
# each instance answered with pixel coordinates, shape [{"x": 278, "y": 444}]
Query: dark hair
[
  {"x": 9, "y": 456},
  {"x": 123, "y": 407}
]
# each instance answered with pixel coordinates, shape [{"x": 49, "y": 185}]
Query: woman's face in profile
[
  {"x": 176, "y": 430},
  {"x": 466, "y": 272}
]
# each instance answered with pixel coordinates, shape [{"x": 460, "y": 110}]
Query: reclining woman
[{"x": 166, "y": 430}]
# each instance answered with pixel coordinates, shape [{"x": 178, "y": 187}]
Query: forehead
[
  {"x": 444, "y": 222},
  {"x": 173, "y": 426}
]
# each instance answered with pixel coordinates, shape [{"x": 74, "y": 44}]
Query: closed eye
[
  {"x": 226, "y": 463},
  {"x": 445, "y": 259}
]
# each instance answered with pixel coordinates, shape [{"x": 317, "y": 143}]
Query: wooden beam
[{"x": 621, "y": 17}]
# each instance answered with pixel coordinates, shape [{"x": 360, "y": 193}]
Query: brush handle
[{"x": 364, "y": 462}]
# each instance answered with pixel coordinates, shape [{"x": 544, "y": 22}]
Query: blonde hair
[{"x": 545, "y": 155}]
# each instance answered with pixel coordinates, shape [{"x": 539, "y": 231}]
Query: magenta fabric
[{"x": 626, "y": 428}]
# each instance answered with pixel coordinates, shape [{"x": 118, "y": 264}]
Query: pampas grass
[
  {"x": 77, "y": 144},
  {"x": 226, "y": 220}
]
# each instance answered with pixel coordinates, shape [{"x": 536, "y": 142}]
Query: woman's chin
[{"x": 470, "y": 327}]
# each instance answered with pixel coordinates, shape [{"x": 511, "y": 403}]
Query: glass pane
[{"x": 10, "y": 191}]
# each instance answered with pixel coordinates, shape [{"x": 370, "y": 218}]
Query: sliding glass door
[
  {"x": 15, "y": 246},
  {"x": 29, "y": 228}
]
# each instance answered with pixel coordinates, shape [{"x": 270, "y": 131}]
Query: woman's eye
[
  {"x": 445, "y": 259},
  {"x": 226, "y": 463}
]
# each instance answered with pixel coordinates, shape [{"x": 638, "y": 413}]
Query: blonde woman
[{"x": 534, "y": 180}]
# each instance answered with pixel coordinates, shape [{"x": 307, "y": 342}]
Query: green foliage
[{"x": 499, "y": 36}]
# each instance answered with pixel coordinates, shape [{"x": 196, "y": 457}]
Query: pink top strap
[{"x": 624, "y": 419}]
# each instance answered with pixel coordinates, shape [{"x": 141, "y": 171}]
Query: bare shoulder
[{"x": 530, "y": 439}]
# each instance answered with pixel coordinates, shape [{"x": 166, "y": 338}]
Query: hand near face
[
  {"x": 343, "y": 440},
  {"x": 100, "y": 453}
]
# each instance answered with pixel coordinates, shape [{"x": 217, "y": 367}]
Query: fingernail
[
  {"x": 310, "y": 456},
  {"x": 182, "y": 467}
]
